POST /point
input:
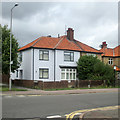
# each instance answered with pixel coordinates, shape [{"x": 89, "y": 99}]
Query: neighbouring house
[
  {"x": 52, "y": 59},
  {"x": 111, "y": 56}
]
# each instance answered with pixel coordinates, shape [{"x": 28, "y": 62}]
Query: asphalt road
[{"x": 43, "y": 106}]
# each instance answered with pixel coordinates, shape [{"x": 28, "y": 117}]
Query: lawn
[
  {"x": 99, "y": 87},
  {"x": 12, "y": 89}
]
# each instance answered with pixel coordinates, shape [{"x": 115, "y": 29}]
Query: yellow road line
[{"x": 71, "y": 115}]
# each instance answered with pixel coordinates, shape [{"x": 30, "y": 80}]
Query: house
[
  {"x": 52, "y": 59},
  {"x": 111, "y": 56}
]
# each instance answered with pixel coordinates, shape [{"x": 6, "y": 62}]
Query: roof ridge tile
[{"x": 58, "y": 42}]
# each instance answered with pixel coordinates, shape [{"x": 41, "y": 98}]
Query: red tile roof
[
  {"x": 59, "y": 43},
  {"x": 85, "y": 47},
  {"x": 117, "y": 68},
  {"x": 117, "y": 50},
  {"x": 111, "y": 52}
]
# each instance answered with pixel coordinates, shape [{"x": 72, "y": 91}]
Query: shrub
[{"x": 91, "y": 68}]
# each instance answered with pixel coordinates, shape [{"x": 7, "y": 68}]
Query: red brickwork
[
  {"x": 5, "y": 78},
  {"x": 58, "y": 84},
  {"x": 24, "y": 83},
  {"x": 72, "y": 84},
  {"x": 52, "y": 85}
]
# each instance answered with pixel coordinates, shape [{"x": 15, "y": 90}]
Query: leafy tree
[
  {"x": 6, "y": 51},
  {"x": 91, "y": 68},
  {"x": 0, "y": 50},
  {"x": 85, "y": 66}
]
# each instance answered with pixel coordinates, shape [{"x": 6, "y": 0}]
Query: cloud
[{"x": 92, "y": 22}]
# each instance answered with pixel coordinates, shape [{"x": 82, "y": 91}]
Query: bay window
[{"x": 68, "y": 74}]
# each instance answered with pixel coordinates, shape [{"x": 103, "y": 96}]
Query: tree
[
  {"x": 6, "y": 51},
  {"x": 91, "y": 68},
  {"x": 85, "y": 66},
  {"x": 0, "y": 51}
]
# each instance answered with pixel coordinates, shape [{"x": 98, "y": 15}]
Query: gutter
[
  {"x": 33, "y": 63},
  {"x": 54, "y": 64}
]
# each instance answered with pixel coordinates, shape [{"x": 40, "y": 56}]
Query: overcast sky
[{"x": 93, "y": 22}]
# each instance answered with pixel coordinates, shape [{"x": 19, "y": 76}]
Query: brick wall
[
  {"x": 41, "y": 84},
  {"x": 57, "y": 84},
  {"x": 5, "y": 78},
  {"x": 52, "y": 85},
  {"x": 24, "y": 83},
  {"x": 72, "y": 84}
]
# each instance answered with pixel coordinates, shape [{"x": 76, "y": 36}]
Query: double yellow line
[{"x": 71, "y": 115}]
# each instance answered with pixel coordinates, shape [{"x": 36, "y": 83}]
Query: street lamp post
[{"x": 16, "y": 4}]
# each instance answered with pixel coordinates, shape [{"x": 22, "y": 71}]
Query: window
[
  {"x": 44, "y": 55},
  {"x": 110, "y": 61},
  {"x": 43, "y": 73},
  {"x": 20, "y": 57},
  {"x": 16, "y": 73},
  {"x": 91, "y": 54},
  {"x": 68, "y": 56},
  {"x": 68, "y": 74}
]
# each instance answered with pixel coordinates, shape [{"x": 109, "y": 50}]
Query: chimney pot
[
  {"x": 104, "y": 45},
  {"x": 70, "y": 34},
  {"x": 58, "y": 35},
  {"x": 49, "y": 36}
]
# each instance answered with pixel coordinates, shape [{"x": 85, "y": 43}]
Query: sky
[{"x": 92, "y": 22}]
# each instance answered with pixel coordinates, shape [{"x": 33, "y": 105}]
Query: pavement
[
  {"x": 109, "y": 113},
  {"x": 103, "y": 113},
  {"x": 59, "y": 92}
]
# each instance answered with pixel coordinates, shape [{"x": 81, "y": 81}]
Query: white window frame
[
  {"x": 44, "y": 52},
  {"x": 68, "y": 53},
  {"x": 110, "y": 61},
  {"x": 20, "y": 57},
  {"x": 43, "y": 70},
  {"x": 68, "y": 71}
]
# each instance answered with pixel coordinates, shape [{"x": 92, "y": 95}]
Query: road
[{"x": 43, "y": 106}]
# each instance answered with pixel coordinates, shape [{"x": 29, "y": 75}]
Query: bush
[{"x": 91, "y": 68}]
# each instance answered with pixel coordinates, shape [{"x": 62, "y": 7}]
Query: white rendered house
[{"x": 52, "y": 59}]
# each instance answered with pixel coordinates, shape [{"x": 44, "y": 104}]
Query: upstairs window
[
  {"x": 20, "y": 57},
  {"x": 110, "y": 61},
  {"x": 44, "y": 55},
  {"x": 91, "y": 54},
  {"x": 69, "y": 56}
]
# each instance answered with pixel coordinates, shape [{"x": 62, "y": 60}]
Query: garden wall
[
  {"x": 5, "y": 78},
  {"x": 57, "y": 84},
  {"x": 41, "y": 84}
]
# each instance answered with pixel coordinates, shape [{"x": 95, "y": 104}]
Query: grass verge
[
  {"x": 12, "y": 89},
  {"x": 99, "y": 87}
]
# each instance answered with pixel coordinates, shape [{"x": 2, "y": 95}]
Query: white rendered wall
[
  {"x": 26, "y": 66},
  {"x": 60, "y": 62},
  {"x": 43, "y": 64},
  {"x": 50, "y": 64}
]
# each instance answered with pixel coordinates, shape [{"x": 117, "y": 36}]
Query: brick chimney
[
  {"x": 70, "y": 34},
  {"x": 104, "y": 45}
]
